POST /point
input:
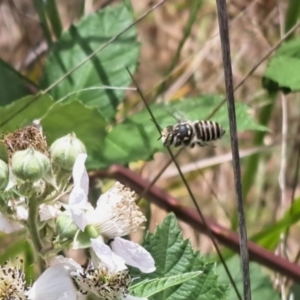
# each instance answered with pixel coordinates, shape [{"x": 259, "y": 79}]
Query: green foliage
[
  {"x": 133, "y": 139},
  {"x": 23, "y": 111},
  {"x": 107, "y": 68},
  {"x": 88, "y": 112},
  {"x": 253, "y": 161},
  {"x": 261, "y": 285},
  {"x": 174, "y": 256},
  {"x": 295, "y": 292},
  {"x": 148, "y": 288},
  {"x": 270, "y": 236},
  {"x": 292, "y": 14},
  {"x": 282, "y": 72},
  {"x": 87, "y": 123},
  {"x": 136, "y": 137},
  {"x": 57, "y": 120},
  {"x": 12, "y": 84}
]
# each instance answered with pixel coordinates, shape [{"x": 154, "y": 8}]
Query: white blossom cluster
[{"x": 116, "y": 215}]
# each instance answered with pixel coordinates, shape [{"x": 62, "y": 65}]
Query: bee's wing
[{"x": 177, "y": 115}]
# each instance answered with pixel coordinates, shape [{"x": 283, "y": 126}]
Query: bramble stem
[{"x": 32, "y": 225}]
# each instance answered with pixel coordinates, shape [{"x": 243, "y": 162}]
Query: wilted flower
[
  {"x": 12, "y": 282},
  {"x": 104, "y": 283},
  {"x": 10, "y": 222},
  {"x": 49, "y": 211},
  {"x": 116, "y": 215},
  {"x": 8, "y": 225},
  {"x": 13, "y": 221}
]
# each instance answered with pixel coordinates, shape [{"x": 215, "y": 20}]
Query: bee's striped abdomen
[
  {"x": 207, "y": 131},
  {"x": 192, "y": 133}
]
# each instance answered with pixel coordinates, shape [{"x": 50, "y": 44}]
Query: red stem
[{"x": 226, "y": 237}]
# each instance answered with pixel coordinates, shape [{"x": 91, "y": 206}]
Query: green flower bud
[
  {"x": 65, "y": 227},
  {"x": 29, "y": 164},
  {"x": 65, "y": 150},
  {"x": 4, "y": 175},
  {"x": 25, "y": 189}
]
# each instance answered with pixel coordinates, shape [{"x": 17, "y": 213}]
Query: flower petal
[
  {"x": 55, "y": 283},
  {"x": 104, "y": 253},
  {"x": 78, "y": 204},
  {"x": 129, "y": 297},
  {"x": 7, "y": 225},
  {"x": 78, "y": 199},
  {"x": 47, "y": 211},
  {"x": 133, "y": 254},
  {"x": 80, "y": 175},
  {"x": 22, "y": 212}
]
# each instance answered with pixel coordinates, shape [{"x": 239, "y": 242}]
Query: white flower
[
  {"x": 104, "y": 283},
  {"x": 78, "y": 199},
  {"x": 133, "y": 254},
  {"x": 56, "y": 282},
  {"x": 8, "y": 225},
  {"x": 12, "y": 282},
  {"x": 11, "y": 223},
  {"x": 48, "y": 211},
  {"x": 116, "y": 215},
  {"x": 123, "y": 252},
  {"x": 107, "y": 256}
]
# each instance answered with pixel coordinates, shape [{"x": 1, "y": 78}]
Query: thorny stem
[{"x": 32, "y": 226}]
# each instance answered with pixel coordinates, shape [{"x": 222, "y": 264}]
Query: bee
[{"x": 191, "y": 133}]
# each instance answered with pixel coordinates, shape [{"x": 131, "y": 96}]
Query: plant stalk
[{"x": 32, "y": 225}]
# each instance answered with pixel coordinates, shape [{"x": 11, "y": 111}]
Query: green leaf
[
  {"x": 12, "y": 84},
  {"x": 174, "y": 256},
  {"x": 282, "y": 70},
  {"x": 86, "y": 123},
  {"x": 294, "y": 292},
  {"x": 261, "y": 285},
  {"x": 23, "y": 111},
  {"x": 137, "y": 137},
  {"x": 57, "y": 120},
  {"x": 12, "y": 245},
  {"x": 69, "y": 232},
  {"x": 292, "y": 14},
  {"x": 107, "y": 68},
  {"x": 82, "y": 240},
  {"x": 149, "y": 288}
]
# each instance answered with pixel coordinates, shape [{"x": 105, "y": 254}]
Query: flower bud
[
  {"x": 29, "y": 164},
  {"x": 65, "y": 150},
  {"x": 25, "y": 189},
  {"x": 4, "y": 175}
]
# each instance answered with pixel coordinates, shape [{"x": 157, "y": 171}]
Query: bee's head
[{"x": 167, "y": 136}]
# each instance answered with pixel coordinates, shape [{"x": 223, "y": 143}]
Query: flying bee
[{"x": 191, "y": 133}]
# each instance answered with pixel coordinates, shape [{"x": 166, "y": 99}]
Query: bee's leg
[
  {"x": 187, "y": 142},
  {"x": 178, "y": 143},
  {"x": 208, "y": 145},
  {"x": 201, "y": 144}
]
